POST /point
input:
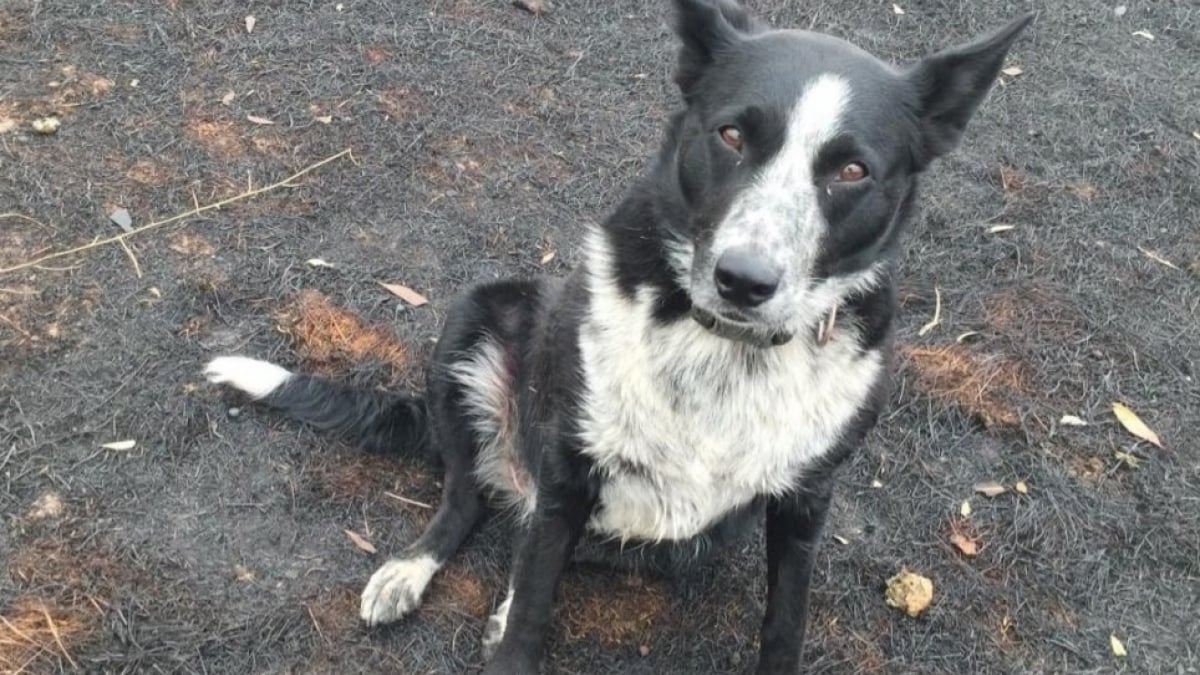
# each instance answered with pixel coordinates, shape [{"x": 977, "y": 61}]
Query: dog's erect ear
[
  {"x": 951, "y": 85},
  {"x": 707, "y": 27}
]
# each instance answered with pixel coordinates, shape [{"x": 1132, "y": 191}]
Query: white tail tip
[{"x": 256, "y": 378}]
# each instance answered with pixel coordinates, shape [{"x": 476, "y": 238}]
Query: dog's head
[{"x": 797, "y": 157}]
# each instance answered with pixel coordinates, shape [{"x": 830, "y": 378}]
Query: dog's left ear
[{"x": 951, "y": 85}]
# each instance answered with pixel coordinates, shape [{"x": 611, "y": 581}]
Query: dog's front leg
[
  {"x": 550, "y": 537},
  {"x": 794, "y": 525}
]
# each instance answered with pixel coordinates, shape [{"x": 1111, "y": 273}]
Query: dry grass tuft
[
  {"x": 330, "y": 338},
  {"x": 983, "y": 386}
]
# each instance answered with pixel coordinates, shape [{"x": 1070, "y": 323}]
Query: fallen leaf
[
  {"x": 1143, "y": 34},
  {"x": 243, "y": 573},
  {"x": 1021, "y": 487},
  {"x": 1134, "y": 424},
  {"x": 339, "y": 7},
  {"x": 362, "y": 544},
  {"x": 535, "y": 7},
  {"x": 1128, "y": 459},
  {"x": 876, "y": 484},
  {"x": 897, "y": 9},
  {"x": 965, "y": 544},
  {"x": 966, "y": 336},
  {"x": 250, "y": 21},
  {"x": 1012, "y": 71},
  {"x": 324, "y": 119},
  {"x": 547, "y": 257},
  {"x": 965, "y": 508},
  {"x": 840, "y": 539},
  {"x": 133, "y": 84},
  {"x": 1120, "y": 10},
  {"x": 119, "y": 445},
  {"x": 317, "y": 262},
  {"x": 990, "y": 489},
  {"x": 259, "y": 120},
  {"x": 1118, "y": 647},
  {"x": 997, "y": 229},
  {"x": 46, "y": 125},
  {"x": 228, "y": 98},
  {"x": 1072, "y": 421},
  {"x": 909, "y": 592},
  {"x": 1158, "y": 258},
  {"x": 406, "y": 294},
  {"x": 937, "y": 313},
  {"x": 1196, "y": 135},
  {"x": 153, "y": 290},
  {"x": 644, "y": 650},
  {"x": 122, "y": 219}
]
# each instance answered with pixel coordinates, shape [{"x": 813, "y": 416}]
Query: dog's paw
[
  {"x": 256, "y": 378},
  {"x": 497, "y": 623},
  {"x": 395, "y": 589}
]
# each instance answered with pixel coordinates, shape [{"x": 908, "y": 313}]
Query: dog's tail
[{"x": 375, "y": 421}]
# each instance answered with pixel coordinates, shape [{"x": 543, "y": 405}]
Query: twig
[
  {"x": 187, "y": 214},
  {"x": 132, "y": 258},
  {"x": 317, "y": 625},
  {"x": 58, "y": 638},
  {"x": 25, "y": 217},
  {"x": 406, "y": 500},
  {"x": 937, "y": 313}
]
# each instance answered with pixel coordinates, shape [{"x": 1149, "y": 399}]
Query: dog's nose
[{"x": 745, "y": 278}]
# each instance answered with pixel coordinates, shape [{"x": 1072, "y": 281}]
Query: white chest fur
[{"x": 685, "y": 428}]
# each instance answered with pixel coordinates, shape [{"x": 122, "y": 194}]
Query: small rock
[
  {"x": 122, "y": 219},
  {"x": 235, "y": 412},
  {"x": 46, "y": 126}
]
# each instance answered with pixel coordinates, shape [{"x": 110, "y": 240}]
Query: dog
[{"x": 723, "y": 347}]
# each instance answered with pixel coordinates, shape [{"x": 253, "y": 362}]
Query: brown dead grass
[
  {"x": 147, "y": 171},
  {"x": 616, "y": 612},
  {"x": 36, "y": 635},
  {"x": 358, "y": 475},
  {"x": 220, "y": 138},
  {"x": 191, "y": 245},
  {"x": 457, "y": 588},
  {"x": 329, "y": 338},
  {"x": 984, "y": 386},
  {"x": 334, "y": 614},
  {"x": 1026, "y": 312}
]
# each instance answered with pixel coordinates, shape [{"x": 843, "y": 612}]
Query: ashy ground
[{"x": 1062, "y": 240}]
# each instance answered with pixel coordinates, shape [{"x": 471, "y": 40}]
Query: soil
[{"x": 1062, "y": 239}]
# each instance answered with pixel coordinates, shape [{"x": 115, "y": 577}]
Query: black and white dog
[{"x": 722, "y": 349}]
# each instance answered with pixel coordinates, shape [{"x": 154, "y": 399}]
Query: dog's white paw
[
  {"x": 256, "y": 378},
  {"x": 496, "y": 625},
  {"x": 396, "y": 588}
]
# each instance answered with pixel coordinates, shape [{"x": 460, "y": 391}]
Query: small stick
[
  {"x": 132, "y": 258},
  {"x": 317, "y": 625},
  {"x": 406, "y": 500},
  {"x": 25, "y": 217},
  {"x": 937, "y": 313},
  {"x": 58, "y": 638},
  {"x": 176, "y": 218}
]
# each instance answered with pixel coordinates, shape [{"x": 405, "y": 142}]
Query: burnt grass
[{"x": 483, "y": 139}]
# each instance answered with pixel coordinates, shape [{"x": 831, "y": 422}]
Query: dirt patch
[
  {"x": 459, "y": 589},
  {"x": 334, "y": 614},
  {"x": 191, "y": 245},
  {"x": 616, "y": 611},
  {"x": 150, "y": 172},
  {"x": 220, "y": 138},
  {"x": 986, "y": 387},
  {"x": 1024, "y": 312},
  {"x": 330, "y": 338},
  {"x": 356, "y": 475}
]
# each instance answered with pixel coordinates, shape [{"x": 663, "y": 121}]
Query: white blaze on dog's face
[{"x": 797, "y": 161}]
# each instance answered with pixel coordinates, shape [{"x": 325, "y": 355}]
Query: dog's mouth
[{"x": 740, "y": 332}]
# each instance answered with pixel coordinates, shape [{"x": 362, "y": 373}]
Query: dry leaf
[
  {"x": 119, "y": 445},
  {"x": 1134, "y": 424},
  {"x": 133, "y": 84},
  {"x": 1021, "y": 487},
  {"x": 1012, "y": 71},
  {"x": 535, "y": 7},
  {"x": 1158, "y": 258},
  {"x": 840, "y": 539},
  {"x": 243, "y": 573},
  {"x": 897, "y": 9},
  {"x": 259, "y": 120},
  {"x": 997, "y": 229},
  {"x": 1143, "y": 34},
  {"x": 990, "y": 489},
  {"x": 965, "y": 509},
  {"x": 1118, "y": 647},
  {"x": 966, "y": 336},
  {"x": 965, "y": 544},
  {"x": 937, "y": 313},
  {"x": 46, "y": 125},
  {"x": 547, "y": 257},
  {"x": 324, "y": 119},
  {"x": 362, "y": 544},
  {"x": 1120, "y": 10},
  {"x": 1072, "y": 421},
  {"x": 909, "y": 592},
  {"x": 1128, "y": 459},
  {"x": 317, "y": 262},
  {"x": 49, "y": 505},
  {"x": 876, "y": 484},
  {"x": 228, "y": 98},
  {"x": 250, "y": 21},
  {"x": 1196, "y": 135},
  {"x": 406, "y": 294}
]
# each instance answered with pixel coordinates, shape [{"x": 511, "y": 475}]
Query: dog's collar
[{"x": 729, "y": 331}]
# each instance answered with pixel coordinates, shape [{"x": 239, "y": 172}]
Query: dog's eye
[
  {"x": 852, "y": 173},
  {"x": 731, "y": 136}
]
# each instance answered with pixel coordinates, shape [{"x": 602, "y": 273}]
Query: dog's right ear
[{"x": 706, "y": 28}]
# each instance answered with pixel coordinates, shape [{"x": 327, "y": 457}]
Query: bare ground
[{"x": 484, "y": 139}]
